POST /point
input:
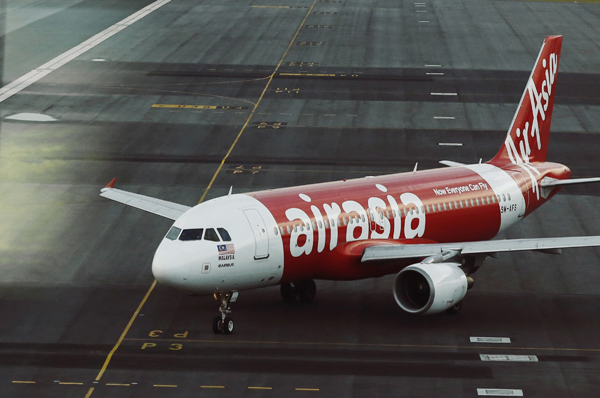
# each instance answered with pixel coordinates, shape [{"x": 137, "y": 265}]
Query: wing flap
[
  {"x": 379, "y": 253},
  {"x": 156, "y": 206}
]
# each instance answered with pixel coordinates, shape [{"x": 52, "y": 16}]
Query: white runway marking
[
  {"x": 422, "y": 21},
  {"x": 444, "y": 94},
  {"x": 499, "y": 392},
  {"x": 451, "y": 118},
  {"x": 435, "y": 73},
  {"x": 489, "y": 339},
  {"x": 450, "y": 144},
  {"x": 437, "y": 66},
  {"x": 29, "y": 78},
  {"x": 508, "y": 358}
]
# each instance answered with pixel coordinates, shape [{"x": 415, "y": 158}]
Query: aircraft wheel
[
  {"x": 455, "y": 309},
  {"x": 288, "y": 292},
  {"x": 218, "y": 325},
  {"x": 228, "y": 325},
  {"x": 307, "y": 290}
]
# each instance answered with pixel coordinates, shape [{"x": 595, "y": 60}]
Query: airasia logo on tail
[
  {"x": 520, "y": 152},
  {"x": 527, "y": 136}
]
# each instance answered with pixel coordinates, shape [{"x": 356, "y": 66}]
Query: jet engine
[{"x": 430, "y": 288}]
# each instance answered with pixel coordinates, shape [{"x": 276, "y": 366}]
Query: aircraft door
[{"x": 261, "y": 237}]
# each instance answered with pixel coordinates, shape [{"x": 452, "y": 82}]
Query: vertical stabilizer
[{"x": 527, "y": 138}]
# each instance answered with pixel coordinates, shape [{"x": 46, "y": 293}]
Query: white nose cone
[{"x": 171, "y": 267}]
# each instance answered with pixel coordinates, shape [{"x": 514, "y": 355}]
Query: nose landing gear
[{"x": 223, "y": 323}]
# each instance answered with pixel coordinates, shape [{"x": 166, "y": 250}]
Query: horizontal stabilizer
[
  {"x": 396, "y": 252},
  {"x": 157, "y": 206},
  {"x": 553, "y": 182}
]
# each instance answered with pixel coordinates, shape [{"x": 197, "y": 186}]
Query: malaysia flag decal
[{"x": 226, "y": 249}]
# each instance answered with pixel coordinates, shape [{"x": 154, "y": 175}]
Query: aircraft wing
[
  {"x": 551, "y": 245},
  {"x": 157, "y": 206}
]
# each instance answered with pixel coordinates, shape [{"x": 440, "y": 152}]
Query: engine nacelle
[{"x": 430, "y": 288}]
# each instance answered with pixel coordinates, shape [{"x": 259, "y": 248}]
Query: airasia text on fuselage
[{"x": 357, "y": 220}]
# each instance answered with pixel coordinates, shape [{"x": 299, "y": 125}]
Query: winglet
[{"x": 111, "y": 184}]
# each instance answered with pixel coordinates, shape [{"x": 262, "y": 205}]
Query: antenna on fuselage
[
  {"x": 230, "y": 190},
  {"x": 480, "y": 159},
  {"x": 416, "y": 165}
]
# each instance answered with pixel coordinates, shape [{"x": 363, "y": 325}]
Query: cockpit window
[
  {"x": 191, "y": 234},
  {"x": 211, "y": 235},
  {"x": 224, "y": 234},
  {"x": 173, "y": 233}
]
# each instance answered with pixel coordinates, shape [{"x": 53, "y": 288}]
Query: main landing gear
[
  {"x": 223, "y": 323},
  {"x": 305, "y": 290}
]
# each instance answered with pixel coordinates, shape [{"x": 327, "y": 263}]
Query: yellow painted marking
[
  {"x": 260, "y": 388},
  {"x": 257, "y": 103},
  {"x": 23, "y": 382},
  {"x": 271, "y": 6},
  {"x": 166, "y": 385},
  {"x": 332, "y": 344},
  {"x": 70, "y": 383},
  {"x": 118, "y": 384},
  {"x": 111, "y": 353},
  {"x": 90, "y": 391},
  {"x": 212, "y": 386},
  {"x": 307, "y": 389}
]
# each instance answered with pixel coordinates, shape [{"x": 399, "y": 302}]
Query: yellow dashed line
[
  {"x": 118, "y": 384},
  {"x": 260, "y": 388},
  {"x": 90, "y": 391},
  {"x": 23, "y": 382},
  {"x": 307, "y": 389},
  {"x": 70, "y": 383},
  {"x": 166, "y": 385},
  {"x": 212, "y": 386}
]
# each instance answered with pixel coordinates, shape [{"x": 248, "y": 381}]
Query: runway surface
[{"x": 281, "y": 92}]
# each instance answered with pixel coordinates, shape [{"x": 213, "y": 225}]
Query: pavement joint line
[
  {"x": 237, "y": 138},
  {"x": 333, "y": 344},
  {"x": 33, "y": 76},
  {"x": 122, "y": 337}
]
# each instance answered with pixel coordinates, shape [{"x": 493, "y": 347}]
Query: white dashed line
[
  {"x": 451, "y": 144},
  {"x": 423, "y": 21},
  {"x": 436, "y": 66},
  {"x": 444, "y": 94},
  {"x": 499, "y": 392},
  {"x": 435, "y": 73},
  {"x": 505, "y": 340},
  {"x": 448, "y": 118},
  {"x": 29, "y": 78}
]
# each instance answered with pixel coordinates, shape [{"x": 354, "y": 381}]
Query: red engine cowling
[{"x": 430, "y": 288}]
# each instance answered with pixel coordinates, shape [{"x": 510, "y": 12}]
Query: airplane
[{"x": 433, "y": 228}]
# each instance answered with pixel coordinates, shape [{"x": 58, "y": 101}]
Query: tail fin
[{"x": 527, "y": 138}]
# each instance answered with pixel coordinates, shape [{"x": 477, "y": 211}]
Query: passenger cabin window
[
  {"x": 224, "y": 235},
  {"x": 173, "y": 233},
  {"x": 211, "y": 235},
  {"x": 191, "y": 234}
]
